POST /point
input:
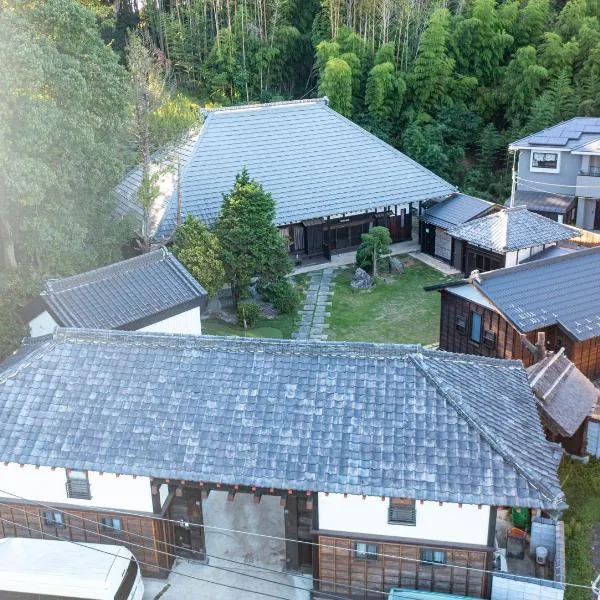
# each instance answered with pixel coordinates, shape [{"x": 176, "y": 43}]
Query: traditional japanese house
[
  {"x": 489, "y": 314},
  {"x": 331, "y": 179},
  {"x": 151, "y": 292},
  {"x": 566, "y": 400},
  {"x": 504, "y": 238},
  {"x": 437, "y": 218},
  {"x": 383, "y": 464}
]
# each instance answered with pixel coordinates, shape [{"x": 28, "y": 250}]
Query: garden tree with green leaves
[
  {"x": 336, "y": 84},
  {"x": 374, "y": 245},
  {"x": 199, "y": 251},
  {"x": 251, "y": 245},
  {"x": 63, "y": 100}
]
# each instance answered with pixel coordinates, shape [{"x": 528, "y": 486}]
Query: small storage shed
[{"x": 438, "y": 218}]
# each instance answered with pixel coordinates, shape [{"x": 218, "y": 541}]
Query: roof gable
[
  {"x": 313, "y": 161},
  {"x": 512, "y": 229},
  {"x": 456, "y": 210},
  {"x": 530, "y": 297},
  {"x": 123, "y": 293},
  {"x": 370, "y": 419}
]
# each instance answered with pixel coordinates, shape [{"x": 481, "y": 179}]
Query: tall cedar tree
[{"x": 251, "y": 244}]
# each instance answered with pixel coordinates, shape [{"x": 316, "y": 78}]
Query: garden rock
[
  {"x": 396, "y": 265},
  {"x": 361, "y": 280}
]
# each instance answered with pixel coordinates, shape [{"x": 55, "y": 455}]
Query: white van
[{"x": 32, "y": 569}]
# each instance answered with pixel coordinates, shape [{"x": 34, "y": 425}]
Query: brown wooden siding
[
  {"x": 26, "y": 520},
  {"x": 585, "y": 355},
  {"x": 340, "y": 572}
]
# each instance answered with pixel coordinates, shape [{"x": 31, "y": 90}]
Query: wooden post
[{"x": 292, "y": 556}]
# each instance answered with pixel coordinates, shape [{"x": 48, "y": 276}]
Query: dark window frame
[
  {"x": 545, "y": 163},
  {"x": 107, "y": 525},
  {"x": 402, "y": 511},
  {"x": 49, "y": 518},
  {"x": 461, "y": 324},
  {"x": 428, "y": 555},
  {"x": 371, "y": 551},
  {"x": 78, "y": 487},
  {"x": 472, "y": 339}
]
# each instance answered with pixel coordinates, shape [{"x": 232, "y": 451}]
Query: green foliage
[
  {"x": 386, "y": 54},
  {"x": 384, "y": 92},
  {"x": 282, "y": 294},
  {"x": 571, "y": 17},
  {"x": 178, "y": 113},
  {"x": 336, "y": 84},
  {"x": 251, "y": 245},
  {"x": 199, "y": 251},
  {"x": 532, "y": 21},
  {"x": 374, "y": 245},
  {"x": 247, "y": 314},
  {"x": 433, "y": 67}
]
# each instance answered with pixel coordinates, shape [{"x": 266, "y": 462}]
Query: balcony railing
[{"x": 591, "y": 171}]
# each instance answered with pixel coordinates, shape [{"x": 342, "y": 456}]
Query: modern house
[
  {"x": 504, "y": 238},
  {"x": 331, "y": 179},
  {"x": 492, "y": 314},
  {"x": 567, "y": 400},
  {"x": 559, "y": 172},
  {"x": 150, "y": 292},
  {"x": 437, "y": 218},
  {"x": 384, "y": 465}
]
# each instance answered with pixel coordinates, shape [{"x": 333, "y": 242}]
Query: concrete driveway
[{"x": 180, "y": 587}]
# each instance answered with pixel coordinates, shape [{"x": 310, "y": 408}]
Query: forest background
[{"x": 448, "y": 82}]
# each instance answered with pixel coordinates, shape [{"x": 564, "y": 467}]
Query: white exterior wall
[
  {"x": 43, "y": 324},
  {"x": 516, "y": 258},
  {"x": 48, "y": 486},
  {"x": 447, "y": 523},
  {"x": 186, "y": 322},
  {"x": 505, "y": 588}
]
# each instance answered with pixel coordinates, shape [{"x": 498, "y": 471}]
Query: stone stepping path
[{"x": 316, "y": 307}]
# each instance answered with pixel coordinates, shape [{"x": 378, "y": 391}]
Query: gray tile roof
[
  {"x": 455, "y": 210},
  {"x": 542, "y": 201},
  {"x": 568, "y": 134},
  {"x": 512, "y": 229},
  {"x": 566, "y": 396},
  {"x": 382, "y": 420},
  {"x": 314, "y": 162},
  {"x": 560, "y": 291},
  {"x": 124, "y": 294}
]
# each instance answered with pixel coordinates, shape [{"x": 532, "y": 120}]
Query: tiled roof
[
  {"x": 382, "y": 420},
  {"x": 314, "y": 162},
  {"x": 560, "y": 291},
  {"x": 455, "y": 210},
  {"x": 512, "y": 229},
  {"x": 568, "y": 134},
  {"x": 165, "y": 164},
  {"x": 542, "y": 201},
  {"x": 123, "y": 294},
  {"x": 566, "y": 396}
]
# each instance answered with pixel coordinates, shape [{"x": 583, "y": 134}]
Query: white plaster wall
[
  {"x": 43, "y": 324},
  {"x": 447, "y": 523},
  {"x": 48, "y": 486},
  {"x": 186, "y": 322}
]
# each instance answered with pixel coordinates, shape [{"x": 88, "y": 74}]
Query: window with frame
[
  {"x": 365, "y": 551},
  {"x": 436, "y": 557},
  {"x": 402, "y": 511},
  {"x": 475, "y": 333},
  {"x": 78, "y": 485},
  {"x": 111, "y": 524},
  {"x": 544, "y": 161},
  {"x": 53, "y": 519},
  {"x": 461, "y": 324},
  {"x": 489, "y": 338}
]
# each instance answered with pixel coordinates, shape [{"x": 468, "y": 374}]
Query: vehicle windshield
[{"x": 128, "y": 581}]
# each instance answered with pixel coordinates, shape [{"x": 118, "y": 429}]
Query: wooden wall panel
[
  {"x": 26, "y": 520},
  {"x": 340, "y": 572}
]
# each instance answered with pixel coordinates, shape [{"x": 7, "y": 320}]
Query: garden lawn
[
  {"x": 399, "y": 311},
  {"x": 581, "y": 484},
  {"x": 281, "y": 326}
]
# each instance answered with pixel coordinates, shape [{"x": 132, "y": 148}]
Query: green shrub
[
  {"x": 247, "y": 314},
  {"x": 282, "y": 294}
]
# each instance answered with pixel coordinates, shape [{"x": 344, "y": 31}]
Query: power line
[
  {"x": 262, "y": 535},
  {"x": 233, "y": 587},
  {"x": 563, "y": 185},
  {"x": 170, "y": 554},
  {"x": 530, "y": 187}
]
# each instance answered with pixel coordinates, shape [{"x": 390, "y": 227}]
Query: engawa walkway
[{"x": 315, "y": 309}]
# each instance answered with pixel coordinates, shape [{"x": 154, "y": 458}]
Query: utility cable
[
  {"x": 262, "y": 535},
  {"x": 562, "y": 185}
]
